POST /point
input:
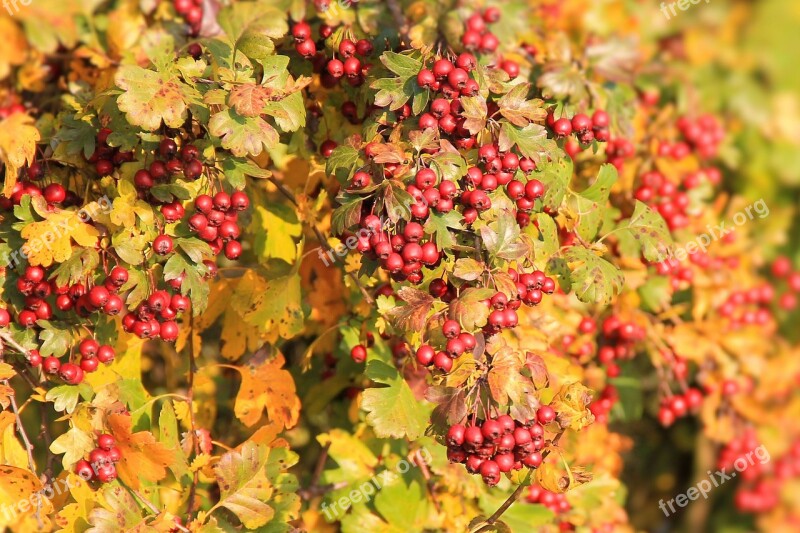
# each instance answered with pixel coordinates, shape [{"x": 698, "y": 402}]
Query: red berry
[
  {"x": 105, "y": 354},
  {"x": 358, "y": 353},
  {"x": 425, "y": 355},
  {"x": 84, "y": 470},
  {"x": 301, "y": 31},
  {"x": 545, "y": 414},
  {"x": 162, "y": 245},
  {"x": 455, "y": 435},
  {"x": 443, "y": 362},
  {"x": 562, "y": 127}
]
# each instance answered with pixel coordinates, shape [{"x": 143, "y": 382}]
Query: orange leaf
[
  {"x": 267, "y": 386},
  {"x": 142, "y": 456}
]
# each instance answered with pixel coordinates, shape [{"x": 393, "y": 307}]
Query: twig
[
  {"x": 399, "y": 19},
  {"x": 423, "y": 466},
  {"x": 189, "y": 401},
  {"x": 151, "y": 506},
  {"x": 17, "y": 419},
  {"x": 321, "y": 238},
  {"x": 318, "y": 469}
]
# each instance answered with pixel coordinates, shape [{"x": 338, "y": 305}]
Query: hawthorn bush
[{"x": 382, "y": 266}]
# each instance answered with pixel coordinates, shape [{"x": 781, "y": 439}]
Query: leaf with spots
[
  {"x": 256, "y": 487},
  {"x": 531, "y": 141},
  {"x": 520, "y": 111},
  {"x": 594, "y": 279},
  {"x": 150, "y": 98},
  {"x": 243, "y": 135},
  {"x": 647, "y": 231}
]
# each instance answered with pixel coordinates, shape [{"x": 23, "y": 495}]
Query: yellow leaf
[
  {"x": 6, "y": 371},
  {"x": 142, "y": 456},
  {"x": 50, "y": 240},
  {"x": 200, "y": 462},
  {"x": 13, "y": 45},
  {"x": 74, "y": 444},
  {"x": 11, "y": 450},
  {"x": 18, "y": 138},
  {"x": 267, "y": 386},
  {"x": 17, "y": 485}
]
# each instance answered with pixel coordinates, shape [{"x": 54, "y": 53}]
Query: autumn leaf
[
  {"x": 520, "y": 111},
  {"x": 474, "y": 111},
  {"x": 74, "y": 444},
  {"x": 411, "y": 316},
  {"x": 468, "y": 309},
  {"x": 143, "y": 458},
  {"x": 18, "y": 138},
  {"x": 249, "y": 99},
  {"x": 571, "y": 403},
  {"x": 242, "y": 135},
  {"x": 50, "y": 241},
  {"x": 254, "y": 485},
  {"x": 120, "y": 511},
  {"x": 150, "y": 97},
  {"x": 16, "y": 485},
  {"x": 267, "y": 386}
]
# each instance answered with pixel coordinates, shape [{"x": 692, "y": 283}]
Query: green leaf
[
  {"x": 343, "y": 162},
  {"x": 502, "y": 238},
  {"x": 531, "y": 141},
  {"x": 236, "y": 169},
  {"x": 289, "y": 113},
  {"x": 590, "y": 204},
  {"x": 396, "y": 201},
  {"x": 393, "y": 92},
  {"x": 545, "y": 241},
  {"x": 392, "y": 411},
  {"x": 555, "y": 176},
  {"x": 347, "y": 214},
  {"x": 81, "y": 262},
  {"x": 243, "y": 135},
  {"x": 65, "y": 397},
  {"x": 193, "y": 284},
  {"x": 169, "y": 435},
  {"x": 650, "y": 232},
  {"x": 403, "y": 65},
  {"x": 56, "y": 338},
  {"x": 440, "y": 225},
  {"x": 251, "y": 26},
  {"x": 167, "y": 192},
  {"x": 594, "y": 279},
  {"x": 196, "y": 249}
]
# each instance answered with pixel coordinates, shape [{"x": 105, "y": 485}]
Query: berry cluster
[
  {"x": 670, "y": 200},
  {"x": 477, "y": 35},
  {"x": 618, "y": 341},
  {"x": 782, "y": 269},
  {"x": 342, "y": 65},
  {"x": 748, "y": 307},
  {"x": 763, "y": 478},
  {"x": 106, "y": 158},
  {"x": 192, "y": 13},
  {"x": 498, "y": 445},
  {"x": 216, "y": 221},
  {"x": 703, "y": 135},
  {"x": 556, "y": 502},
  {"x": 100, "y": 464},
  {"x": 678, "y": 406},
  {"x": 585, "y": 128}
]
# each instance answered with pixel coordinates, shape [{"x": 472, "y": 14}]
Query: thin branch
[
  {"x": 321, "y": 238},
  {"x": 12, "y": 398},
  {"x": 192, "y": 423},
  {"x": 313, "y": 486},
  {"x": 399, "y": 19}
]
